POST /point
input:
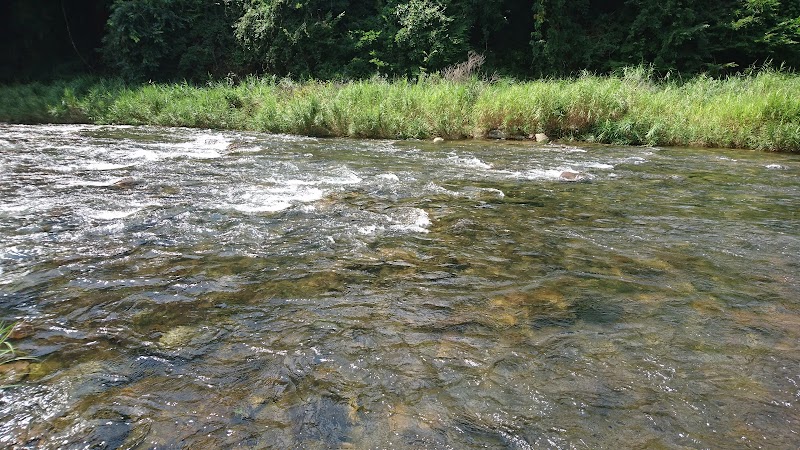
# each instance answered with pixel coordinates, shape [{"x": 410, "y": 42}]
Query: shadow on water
[{"x": 286, "y": 292}]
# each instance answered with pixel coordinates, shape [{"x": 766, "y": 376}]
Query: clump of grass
[
  {"x": 466, "y": 70},
  {"x": 8, "y": 353},
  {"x": 760, "y": 110}
]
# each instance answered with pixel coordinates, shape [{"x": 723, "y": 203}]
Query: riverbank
[{"x": 759, "y": 111}]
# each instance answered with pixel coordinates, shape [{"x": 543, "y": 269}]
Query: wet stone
[
  {"x": 22, "y": 330},
  {"x": 14, "y": 372},
  {"x": 340, "y": 293},
  {"x": 324, "y": 421}
]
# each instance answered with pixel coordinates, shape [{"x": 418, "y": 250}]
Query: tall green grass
[{"x": 760, "y": 110}]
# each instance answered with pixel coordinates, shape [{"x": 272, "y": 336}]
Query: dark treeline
[{"x": 332, "y": 39}]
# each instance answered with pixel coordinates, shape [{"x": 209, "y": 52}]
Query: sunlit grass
[{"x": 758, "y": 111}]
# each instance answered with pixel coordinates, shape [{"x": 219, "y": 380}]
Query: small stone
[
  {"x": 21, "y": 330},
  {"x": 124, "y": 183},
  {"x": 541, "y": 137},
  {"x": 438, "y": 140}
]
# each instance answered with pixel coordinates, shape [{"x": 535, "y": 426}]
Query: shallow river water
[{"x": 200, "y": 289}]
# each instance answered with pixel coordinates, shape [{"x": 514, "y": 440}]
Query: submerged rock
[
  {"x": 324, "y": 420},
  {"x": 125, "y": 183},
  {"x": 14, "y": 372},
  {"x": 569, "y": 175},
  {"x": 235, "y": 145},
  {"x": 22, "y": 330}
]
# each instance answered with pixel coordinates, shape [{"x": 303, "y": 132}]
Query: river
[{"x": 202, "y": 289}]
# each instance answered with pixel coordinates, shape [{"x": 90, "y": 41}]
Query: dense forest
[{"x": 196, "y": 40}]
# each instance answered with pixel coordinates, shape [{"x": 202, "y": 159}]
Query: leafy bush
[{"x": 172, "y": 39}]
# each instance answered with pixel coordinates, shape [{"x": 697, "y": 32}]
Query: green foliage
[
  {"x": 196, "y": 40},
  {"x": 356, "y": 40},
  {"x": 427, "y": 37},
  {"x": 317, "y": 38},
  {"x": 766, "y": 30},
  {"x": 50, "y": 39},
  {"x": 80, "y": 100},
  {"x": 169, "y": 39},
  {"x": 760, "y": 110},
  {"x": 7, "y": 353}
]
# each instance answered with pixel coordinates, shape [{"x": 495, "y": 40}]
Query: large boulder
[{"x": 496, "y": 134}]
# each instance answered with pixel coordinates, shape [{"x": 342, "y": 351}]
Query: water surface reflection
[{"x": 197, "y": 289}]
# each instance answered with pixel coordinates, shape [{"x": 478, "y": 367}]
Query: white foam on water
[
  {"x": 402, "y": 219},
  {"x": 202, "y": 153},
  {"x": 102, "y": 166},
  {"x": 13, "y": 255},
  {"x": 266, "y": 205},
  {"x": 292, "y": 138},
  {"x": 775, "y": 167},
  {"x": 470, "y": 162},
  {"x": 274, "y": 199},
  {"x": 62, "y": 168},
  {"x": 29, "y": 204},
  {"x": 369, "y": 229},
  {"x": 434, "y": 188},
  {"x": 598, "y": 165},
  {"x": 88, "y": 183},
  {"x": 543, "y": 174},
  {"x": 343, "y": 176},
  {"x": 207, "y": 141},
  {"x": 204, "y": 146},
  {"x": 111, "y": 214},
  {"x": 110, "y": 228},
  {"x": 481, "y": 193},
  {"x": 295, "y": 182},
  {"x": 500, "y": 194},
  {"x": 68, "y": 128},
  {"x": 384, "y": 147},
  {"x": 14, "y": 208},
  {"x": 410, "y": 219},
  {"x": 140, "y": 153},
  {"x": 388, "y": 177}
]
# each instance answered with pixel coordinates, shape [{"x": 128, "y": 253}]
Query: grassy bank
[{"x": 759, "y": 111}]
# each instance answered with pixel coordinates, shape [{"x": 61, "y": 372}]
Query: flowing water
[{"x": 200, "y": 289}]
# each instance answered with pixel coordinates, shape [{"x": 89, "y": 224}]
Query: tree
[
  {"x": 765, "y": 30},
  {"x": 169, "y": 39},
  {"x": 50, "y": 38}
]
